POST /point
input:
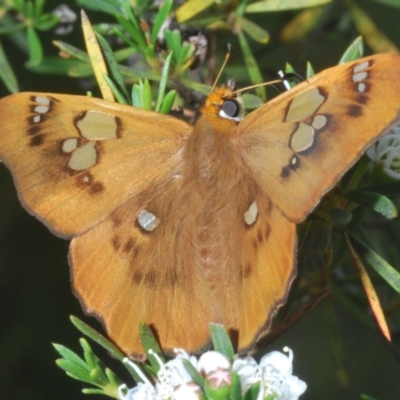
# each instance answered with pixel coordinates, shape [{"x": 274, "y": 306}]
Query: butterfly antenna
[
  {"x": 271, "y": 83},
  {"x": 227, "y": 55},
  {"x": 284, "y": 76}
]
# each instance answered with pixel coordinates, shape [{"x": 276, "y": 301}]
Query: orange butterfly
[{"x": 179, "y": 225}]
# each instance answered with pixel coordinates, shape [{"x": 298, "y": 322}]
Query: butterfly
[{"x": 177, "y": 225}]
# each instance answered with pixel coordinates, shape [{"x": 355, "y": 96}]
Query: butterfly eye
[{"x": 230, "y": 109}]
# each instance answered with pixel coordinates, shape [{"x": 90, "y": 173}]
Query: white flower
[
  {"x": 274, "y": 374},
  {"x": 248, "y": 371},
  {"x": 143, "y": 391},
  {"x": 211, "y": 360},
  {"x": 386, "y": 152},
  {"x": 173, "y": 373},
  {"x": 187, "y": 391}
]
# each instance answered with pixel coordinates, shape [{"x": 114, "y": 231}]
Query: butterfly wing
[
  {"x": 262, "y": 267},
  {"x": 126, "y": 274},
  {"x": 75, "y": 159},
  {"x": 296, "y": 147},
  {"x": 300, "y": 144}
]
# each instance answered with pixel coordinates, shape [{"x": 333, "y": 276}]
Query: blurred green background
[{"x": 35, "y": 292}]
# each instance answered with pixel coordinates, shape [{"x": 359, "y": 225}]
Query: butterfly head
[{"x": 224, "y": 102}]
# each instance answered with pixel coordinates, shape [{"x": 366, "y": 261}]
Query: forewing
[
  {"x": 298, "y": 145},
  {"x": 75, "y": 159}
]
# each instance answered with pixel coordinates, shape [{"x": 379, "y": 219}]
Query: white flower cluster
[
  {"x": 273, "y": 374},
  {"x": 386, "y": 152}
]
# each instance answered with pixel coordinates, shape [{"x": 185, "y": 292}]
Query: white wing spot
[
  {"x": 359, "y": 77},
  {"x": 69, "y": 145},
  {"x": 83, "y": 157},
  {"x": 41, "y": 109},
  {"x": 319, "y": 121},
  {"x": 361, "y": 87},
  {"x": 294, "y": 161},
  {"x": 360, "y": 67},
  {"x": 147, "y": 220},
  {"x": 36, "y": 118},
  {"x": 44, "y": 101},
  {"x": 251, "y": 214}
]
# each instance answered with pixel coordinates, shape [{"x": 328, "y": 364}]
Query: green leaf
[
  {"x": 17, "y": 27},
  {"x": 97, "y": 337},
  {"x": 221, "y": 340},
  {"x": 39, "y": 7},
  {"x": 35, "y": 47},
  {"x": 187, "y": 50},
  {"x": 128, "y": 41},
  {"x": 194, "y": 374},
  {"x": 161, "y": 17},
  {"x": 69, "y": 355},
  {"x": 119, "y": 96},
  {"x": 75, "y": 371},
  {"x": 46, "y": 22},
  {"x": 382, "y": 267},
  {"x": 93, "y": 391},
  {"x": 146, "y": 95},
  {"x": 251, "y": 65},
  {"x": 135, "y": 32},
  {"x": 163, "y": 82},
  {"x": 257, "y": 33},
  {"x": 136, "y": 97},
  {"x": 310, "y": 71},
  {"x": 59, "y": 66},
  {"x": 112, "y": 378},
  {"x": 375, "y": 201},
  {"x": 106, "y": 6},
  {"x": 353, "y": 52},
  {"x": 72, "y": 51},
  {"x": 168, "y": 102},
  {"x": 174, "y": 43},
  {"x": 91, "y": 360},
  {"x": 29, "y": 12},
  {"x": 283, "y": 5},
  {"x": 236, "y": 387},
  {"x": 366, "y": 397},
  {"x": 113, "y": 69},
  {"x": 252, "y": 392},
  {"x": 6, "y": 73},
  {"x": 151, "y": 346}
]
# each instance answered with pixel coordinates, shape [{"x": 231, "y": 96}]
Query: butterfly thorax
[{"x": 213, "y": 171}]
